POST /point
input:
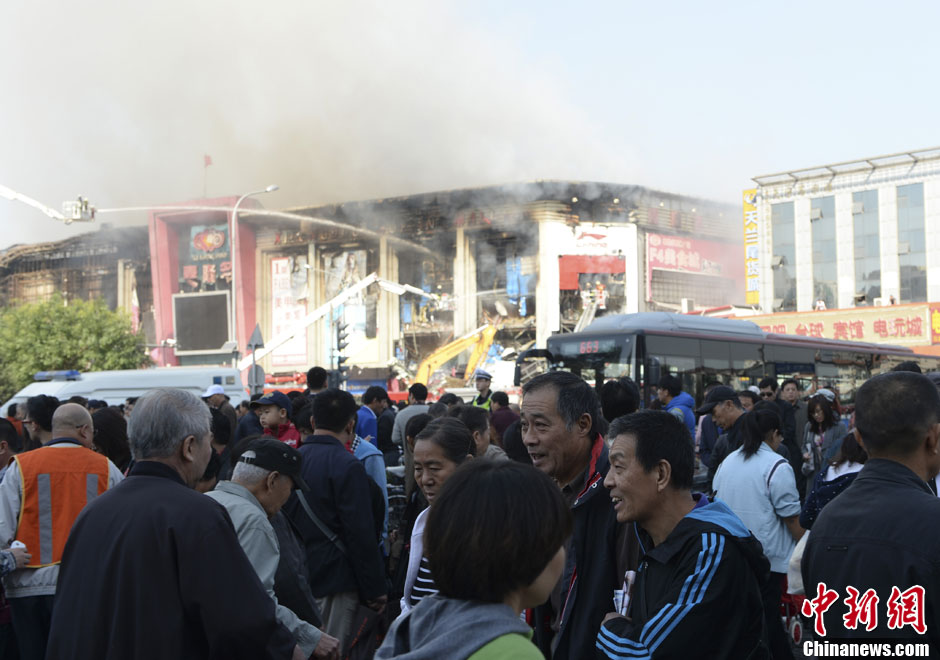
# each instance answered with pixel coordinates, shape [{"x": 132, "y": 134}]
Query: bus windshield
[{"x": 595, "y": 358}]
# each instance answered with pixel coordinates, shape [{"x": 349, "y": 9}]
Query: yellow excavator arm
[{"x": 480, "y": 340}]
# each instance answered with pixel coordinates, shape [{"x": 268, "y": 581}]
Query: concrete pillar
[
  {"x": 315, "y": 334},
  {"x": 466, "y": 317},
  {"x": 547, "y": 295},
  {"x": 888, "y": 230},
  {"x": 388, "y": 312},
  {"x": 845, "y": 251},
  {"x": 803, "y": 242},
  {"x": 932, "y": 227},
  {"x": 766, "y": 246}
]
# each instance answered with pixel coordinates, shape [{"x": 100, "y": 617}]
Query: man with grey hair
[
  {"x": 560, "y": 429},
  {"x": 153, "y": 569},
  {"x": 264, "y": 477},
  {"x": 41, "y": 495}
]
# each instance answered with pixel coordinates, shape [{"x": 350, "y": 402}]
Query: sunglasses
[{"x": 767, "y": 395}]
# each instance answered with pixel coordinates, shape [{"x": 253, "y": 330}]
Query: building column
[
  {"x": 315, "y": 336},
  {"x": 388, "y": 311},
  {"x": 766, "y": 255},
  {"x": 932, "y": 230},
  {"x": 547, "y": 294},
  {"x": 632, "y": 276},
  {"x": 466, "y": 317},
  {"x": 803, "y": 246},
  {"x": 845, "y": 251},
  {"x": 888, "y": 233}
]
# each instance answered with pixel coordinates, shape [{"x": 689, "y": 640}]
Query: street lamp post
[{"x": 233, "y": 331}]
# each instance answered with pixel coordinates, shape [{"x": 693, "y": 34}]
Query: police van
[{"x": 115, "y": 387}]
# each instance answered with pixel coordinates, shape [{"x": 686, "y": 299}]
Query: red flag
[{"x": 208, "y": 160}]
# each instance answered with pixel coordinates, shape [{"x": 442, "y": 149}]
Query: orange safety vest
[{"x": 56, "y": 484}]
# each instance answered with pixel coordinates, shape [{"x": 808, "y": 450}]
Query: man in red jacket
[{"x": 274, "y": 411}]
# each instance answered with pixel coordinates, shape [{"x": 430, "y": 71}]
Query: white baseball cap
[{"x": 213, "y": 389}]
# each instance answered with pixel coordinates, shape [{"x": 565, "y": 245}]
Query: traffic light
[{"x": 342, "y": 335}]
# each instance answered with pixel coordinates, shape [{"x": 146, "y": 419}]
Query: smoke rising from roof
[{"x": 332, "y": 101}]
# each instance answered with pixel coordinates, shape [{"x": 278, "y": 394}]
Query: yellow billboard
[
  {"x": 751, "y": 248},
  {"x": 902, "y": 325}
]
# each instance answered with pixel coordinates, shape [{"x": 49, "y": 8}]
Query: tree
[{"x": 52, "y": 335}]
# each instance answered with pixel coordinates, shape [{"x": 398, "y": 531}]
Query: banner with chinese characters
[
  {"x": 690, "y": 255},
  {"x": 751, "y": 248},
  {"x": 903, "y": 325},
  {"x": 288, "y": 309}
]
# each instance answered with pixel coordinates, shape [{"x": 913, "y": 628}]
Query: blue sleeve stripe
[
  {"x": 701, "y": 594},
  {"x": 617, "y": 651},
  {"x": 655, "y": 624},
  {"x": 619, "y": 642},
  {"x": 658, "y": 628}
]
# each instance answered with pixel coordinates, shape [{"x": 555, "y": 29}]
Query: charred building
[
  {"x": 112, "y": 263},
  {"x": 532, "y": 259}
]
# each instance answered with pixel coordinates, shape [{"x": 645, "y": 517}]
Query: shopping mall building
[
  {"x": 532, "y": 258},
  {"x": 859, "y": 237}
]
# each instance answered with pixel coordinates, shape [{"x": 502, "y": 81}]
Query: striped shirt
[{"x": 424, "y": 583}]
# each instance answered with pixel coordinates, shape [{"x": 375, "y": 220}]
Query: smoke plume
[{"x": 120, "y": 101}]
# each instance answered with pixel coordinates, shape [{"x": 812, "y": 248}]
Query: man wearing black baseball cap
[
  {"x": 264, "y": 477},
  {"x": 274, "y": 411},
  {"x": 723, "y": 405}
]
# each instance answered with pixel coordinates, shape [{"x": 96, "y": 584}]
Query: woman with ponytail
[{"x": 759, "y": 486}]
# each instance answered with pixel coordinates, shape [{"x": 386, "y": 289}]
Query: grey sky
[{"x": 119, "y": 101}]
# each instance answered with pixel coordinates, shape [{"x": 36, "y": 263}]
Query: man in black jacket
[
  {"x": 344, "y": 559},
  {"x": 881, "y": 534},
  {"x": 725, "y": 408},
  {"x": 152, "y": 568},
  {"x": 560, "y": 413},
  {"x": 697, "y": 590}
]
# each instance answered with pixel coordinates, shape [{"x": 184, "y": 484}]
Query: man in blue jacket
[
  {"x": 697, "y": 589},
  {"x": 677, "y": 402}
]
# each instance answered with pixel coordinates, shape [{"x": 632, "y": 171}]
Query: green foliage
[{"x": 52, "y": 335}]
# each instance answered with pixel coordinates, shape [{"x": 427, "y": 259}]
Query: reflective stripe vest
[
  {"x": 485, "y": 404},
  {"x": 56, "y": 484}
]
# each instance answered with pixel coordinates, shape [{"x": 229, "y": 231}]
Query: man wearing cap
[
  {"x": 482, "y": 380},
  {"x": 264, "y": 477},
  {"x": 723, "y": 405},
  {"x": 274, "y": 411},
  {"x": 216, "y": 398}
]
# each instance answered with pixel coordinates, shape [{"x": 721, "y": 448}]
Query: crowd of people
[{"x": 582, "y": 522}]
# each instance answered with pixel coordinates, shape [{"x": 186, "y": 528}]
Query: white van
[{"x": 117, "y": 386}]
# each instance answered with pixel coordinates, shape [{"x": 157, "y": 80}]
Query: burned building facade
[
  {"x": 112, "y": 264},
  {"x": 530, "y": 259}
]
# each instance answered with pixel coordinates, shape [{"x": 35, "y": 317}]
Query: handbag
[
  {"x": 368, "y": 630},
  {"x": 369, "y": 627}
]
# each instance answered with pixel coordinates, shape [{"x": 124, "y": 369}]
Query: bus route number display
[{"x": 589, "y": 347}]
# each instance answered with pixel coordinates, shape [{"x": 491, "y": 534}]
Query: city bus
[{"x": 699, "y": 350}]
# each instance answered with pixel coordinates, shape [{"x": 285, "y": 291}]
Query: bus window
[
  {"x": 747, "y": 363},
  {"x": 716, "y": 361},
  {"x": 675, "y": 356},
  {"x": 790, "y": 362},
  {"x": 841, "y": 371}
]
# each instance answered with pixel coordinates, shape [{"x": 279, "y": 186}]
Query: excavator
[{"x": 479, "y": 340}]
